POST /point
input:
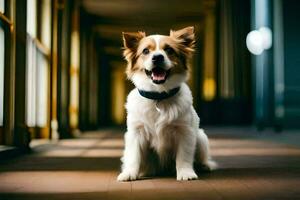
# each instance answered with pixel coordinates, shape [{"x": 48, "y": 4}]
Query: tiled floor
[{"x": 252, "y": 166}]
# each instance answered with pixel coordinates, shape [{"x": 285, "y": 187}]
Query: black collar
[{"x": 159, "y": 95}]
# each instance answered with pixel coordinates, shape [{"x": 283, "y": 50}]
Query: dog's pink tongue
[{"x": 158, "y": 74}]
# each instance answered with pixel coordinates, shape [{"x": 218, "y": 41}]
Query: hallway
[
  {"x": 63, "y": 82},
  {"x": 252, "y": 166}
]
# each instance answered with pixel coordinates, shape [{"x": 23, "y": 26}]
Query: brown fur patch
[
  {"x": 136, "y": 67},
  {"x": 146, "y": 43},
  {"x": 131, "y": 42},
  {"x": 185, "y": 44},
  {"x": 185, "y": 38}
]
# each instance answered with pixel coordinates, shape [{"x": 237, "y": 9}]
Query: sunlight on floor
[
  {"x": 54, "y": 181},
  {"x": 113, "y": 147},
  {"x": 87, "y": 167}
]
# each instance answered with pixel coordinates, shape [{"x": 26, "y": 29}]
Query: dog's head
[{"x": 158, "y": 62}]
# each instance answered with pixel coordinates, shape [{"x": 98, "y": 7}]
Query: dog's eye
[
  {"x": 169, "y": 50},
  {"x": 146, "y": 51}
]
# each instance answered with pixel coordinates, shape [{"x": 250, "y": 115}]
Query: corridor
[
  {"x": 63, "y": 88},
  {"x": 252, "y": 166}
]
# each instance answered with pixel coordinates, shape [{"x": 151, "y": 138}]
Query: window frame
[
  {"x": 37, "y": 131},
  {"x": 7, "y": 23}
]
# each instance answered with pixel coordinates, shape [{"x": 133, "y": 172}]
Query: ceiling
[{"x": 112, "y": 17}]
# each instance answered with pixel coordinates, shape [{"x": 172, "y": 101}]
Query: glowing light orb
[
  {"x": 254, "y": 42},
  {"x": 259, "y": 40},
  {"x": 267, "y": 37}
]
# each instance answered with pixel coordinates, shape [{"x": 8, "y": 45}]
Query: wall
[{"x": 291, "y": 16}]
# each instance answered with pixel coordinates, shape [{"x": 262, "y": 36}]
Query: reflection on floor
[{"x": 252, "y": 166}]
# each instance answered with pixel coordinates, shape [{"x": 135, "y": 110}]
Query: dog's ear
[
  {"x": 131, "y": 39},
  {"x": 186, "y": 36},
  {"x": 131, "y": 42}
]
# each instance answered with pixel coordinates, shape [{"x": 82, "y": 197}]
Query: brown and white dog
[{"x": 162, "y": 126}]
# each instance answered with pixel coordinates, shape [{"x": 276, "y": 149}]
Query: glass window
[
  {"x": 42, "y": 89},
  {"x": 31, "y": 18},
  {"x": 31, "y": 83},
  {"x": 2, "y": 46},
  {"x": 2, "y": 6},
  {"x": 37, "y": 85}
]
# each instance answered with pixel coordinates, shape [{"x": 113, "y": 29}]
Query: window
[
  {"x": 31, "y": 83},
  {"x": 2, "y": 46},
  {"x": 31, "y": 18},
  {"x": 42, "y": 89},
  {"x": 5, "y": 70},
  {"x": 37, "y": 84},
  {"x": 2, "y": 6},
  {"x": 37, "y": 76}
]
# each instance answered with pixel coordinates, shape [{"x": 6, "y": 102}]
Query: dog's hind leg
[{"x": 202, "y": 155}]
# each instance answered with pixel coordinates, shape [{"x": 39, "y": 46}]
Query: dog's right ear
[{"x": 131, "y": 39}]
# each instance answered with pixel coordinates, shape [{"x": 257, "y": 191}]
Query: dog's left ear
[{"x": 186, "y": 36}]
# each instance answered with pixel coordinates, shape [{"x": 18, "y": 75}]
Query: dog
[{"x": 163, "y": 134}]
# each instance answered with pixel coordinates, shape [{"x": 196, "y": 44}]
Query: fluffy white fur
[{"x": 163, "y": 136}]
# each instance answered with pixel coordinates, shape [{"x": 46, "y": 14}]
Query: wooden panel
[
  {"x": 1, "y": 136},
  {"x": 63, "y": 67},
  {"x": 21, "y": 136},
  {"x": 9, "y": 92}
]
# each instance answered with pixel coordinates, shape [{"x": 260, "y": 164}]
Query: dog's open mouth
[{"x": 158, "y": 75}]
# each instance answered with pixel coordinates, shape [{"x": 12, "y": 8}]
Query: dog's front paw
[
  {"x": 127, "y": 176},
  {"x": 186, "y": 174}
]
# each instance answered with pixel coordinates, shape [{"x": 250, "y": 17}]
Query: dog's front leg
[
  {"x": 131, "y": 158},
  {"x": 185, "y": 157}
]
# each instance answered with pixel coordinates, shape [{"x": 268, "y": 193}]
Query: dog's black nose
[{"x": 158, "y": 59}]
